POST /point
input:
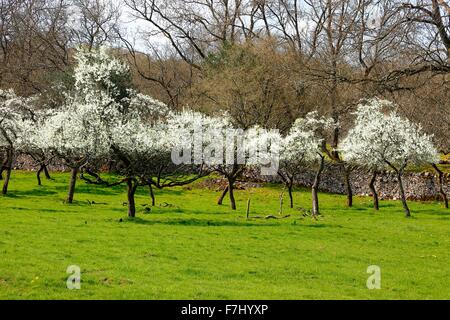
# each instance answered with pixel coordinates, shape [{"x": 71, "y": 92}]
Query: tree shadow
[
  {"x": 384, "y": 204},
  {"x": 198, "y": 223},
  {"x": 224, "y": 223},
  {"x": 355, "y": 208},
  {"x": 441, "y": 213},
  {"x": 143, "y": 191},
  {"x": 93, "y": 190},
  {"x": 49, "y": 210},
  {"x": 320, "y": 225},
  {"x": 33, "y": 192},
  {"x": 21, "y": 209}
]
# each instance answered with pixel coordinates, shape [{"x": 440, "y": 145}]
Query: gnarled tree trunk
[
  {"x": 47, "y": 174},
  {"x": 72, "y": 183},
  {"x": 288, "y": 181},
  {"x": 9, "y": 162},
  {"x": 374, "y": 191},
  {"x": 402, "y": 194},
  {"x": 291, "y": 197},
  {"x": 3, "y": 167},
  {"x": 348, "y": 186},
  {"x": 315, "y": 188},
  {"x": 441, "y": 185},
  {"x": 152, "y": 195},
  {"x": 222, "y": 196},
  {"x": 38, "y": 175},
  {"x": 231, "y": 192},
  {"x": 132, "y": 186}
]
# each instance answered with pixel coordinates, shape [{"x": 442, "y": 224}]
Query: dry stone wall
[{"x": 418, "y": 186}]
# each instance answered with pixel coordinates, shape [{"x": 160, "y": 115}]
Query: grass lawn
[{"x": 190, "y": 248}]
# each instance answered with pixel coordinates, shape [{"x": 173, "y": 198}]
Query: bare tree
[
  {"x": 95, "y": 22},
  {"x": 35, "y": 43}
]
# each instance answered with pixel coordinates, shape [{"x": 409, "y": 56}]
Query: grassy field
[{"x": 187, "y": 247}]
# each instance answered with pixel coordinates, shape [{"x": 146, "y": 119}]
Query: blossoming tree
[
  {"x": 72, "y": 138},
  {"x": 297, "y": 148},
  {"x": 304, "y": 147},
  {"x": 381, "y": 140},
  {"x": 16, "y": 121},
  {"x": 114, "y": 123},
  {"x": 31, "y": 142},
  {"x": 79, "y": 132},
  {"x": 201, "y": 141}
]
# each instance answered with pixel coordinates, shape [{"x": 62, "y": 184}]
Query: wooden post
[{"x": 281, "y": 203}]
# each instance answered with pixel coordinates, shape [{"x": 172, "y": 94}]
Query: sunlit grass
[{"x": 187, "y": 247}]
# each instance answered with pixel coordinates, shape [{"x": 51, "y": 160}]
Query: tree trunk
[
  {"x": 231, "y": 191},
  {"x": 47, "y": 174},
  {"x": 334, "y": 108},
  {"x": 72, "y": 183},
  {"x": 152, "y": 195},
  {"x": 374, "y": 191},
  {"x": 315, "y": 188},
  {"x": 248, "y": 208},
  {"x": 38, "y": 175},
  {"x": 3, "y": 167},
  {"x": 348, "y": 187},
  {"x": 8, "y": 172},
  {"x": 281, "y": 204},
  {"x": 402, "y": 194},
  {"x": 441, "y": 185},
  {"x": 291, "y": 198},
  {"x": 132, "y": 186},
  {"x": 224, "y": 193}
]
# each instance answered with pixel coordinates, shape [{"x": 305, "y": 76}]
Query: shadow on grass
[
  {"x": 92, "y": 190},
  {"x": 31, "y": 193},
  {"x": 10, "y": 195},
  {"x": 144, "y": 191},
  {"x": 441, "y": 212},
  {"x": 199, "y": 223},
  {"x": 13, "y": 194},
  {"x": 20, "y": 209},
  {"x": 389, "y": 204},
  {"x": 318, "y": 225},
  {"x": 51, "y": 211},
  {"x": 355, "y": 208},
  {"x": 213, "y": 223},
  {"x": 192, "y": 211}
]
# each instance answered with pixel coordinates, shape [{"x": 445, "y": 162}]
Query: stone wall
[{"x": 418, "y": 186}]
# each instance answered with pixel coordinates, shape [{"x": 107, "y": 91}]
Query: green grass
[{"x": 194, "y": 249}]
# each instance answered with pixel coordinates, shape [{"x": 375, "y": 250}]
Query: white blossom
[
  {"x": 97, "y": 71},
  {"x": 303, "y": 143},
  {"x": 386, "y": 139},
  {"x": 17, "y": 120}
]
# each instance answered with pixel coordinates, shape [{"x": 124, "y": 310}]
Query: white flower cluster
[
  {"x": 385, "y": 139},
  {"x": 303, "y": 144},
  {"x": 97, "y": 71},
  {"x": 18, "y": 121},
  {"x": 214, "y": 141},
  {"x": 103, "y": 116},
  {"x": 104, "y": 119}
]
